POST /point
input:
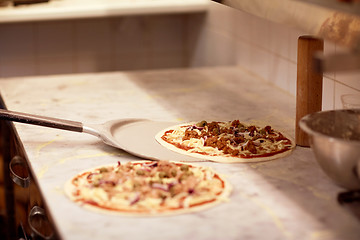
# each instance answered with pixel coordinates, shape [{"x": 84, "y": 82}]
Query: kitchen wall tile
[
  {"x": 279, "y": 40},
  {"x": 150, "y": 42},
  {"x": 243, "y": 55},
  {"x": 221, "y": 49},
  {"x": 11, "y": 67},
  {"x": 94, "y": 36},
  {"x": 150, "y": 33},
  {"x": 351, "y": 79},
  {"x": 55, "y": 65},
  {"x": 167, "y": 59},
  {"x": 17, "y": 41},
  {"x": 94, "y": 44},
  {"x": 328, "y": 94},
  {"x": 221, "y": 18},
  {"x": 243, "y": 26},
  {"x": 294, "y": 35},
  {"x": 260, "y": 32},
  {"x": 196, "y": 48},
  {"x": 279, "y": 72},
  {"x": 260, "y": 61},
  {"x": 329, "y": 49},
  {"x": 196, "y": 36},
  {"x": 202, "y": 55},
  {"x": 132, "y": 35},
  {"x": 165, "y": 32},
  {"x": 223, "y": 36},
  {"x": 132, "y": 61},
  {"x": 54, "y": 38},
  {"x": 341, "y": 89},
  {"x": 210, "y": 41},
  {"x": 94, "y": 63},
  {"x": 213, "y": 49},
  {"x": 282, "y": 56},
  {"x": 292, "y": 78}
]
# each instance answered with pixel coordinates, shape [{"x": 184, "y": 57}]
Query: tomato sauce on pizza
[
  {"x": 148, "y": 188},
  {"x": 231, "y": 141}
]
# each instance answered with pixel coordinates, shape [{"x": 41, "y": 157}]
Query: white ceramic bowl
[{"x": 335, "y": 140}]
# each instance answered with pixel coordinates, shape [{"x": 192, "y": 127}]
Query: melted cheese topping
[
  {"x": 148, "y": 187},
  {"x": 265, "y": 143}
]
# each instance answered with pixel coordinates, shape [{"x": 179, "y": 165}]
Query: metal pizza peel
[{"x": 135, "y": 136}]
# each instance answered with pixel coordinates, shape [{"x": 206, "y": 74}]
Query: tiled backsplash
[
  {"x": 92, "y": 45},
  {"x": 269, "y": 50},
  {"x": 223, "y": 36}
]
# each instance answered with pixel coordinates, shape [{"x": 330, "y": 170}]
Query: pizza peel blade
[{"x": 135, "y": 136}]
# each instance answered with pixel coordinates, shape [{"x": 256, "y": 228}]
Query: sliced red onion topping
[
  {"x": 107, "y": 182},
  {"x": 91, "y": 174},
  {"x": 152, "y": 164},
  {"x": 160, "y": 186},
  {"x": 135, "y": 199}
]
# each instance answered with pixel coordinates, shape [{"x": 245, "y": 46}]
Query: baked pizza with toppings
[
  {"x": 148, "y": 188},
  {"x": 231, "y": 141}
]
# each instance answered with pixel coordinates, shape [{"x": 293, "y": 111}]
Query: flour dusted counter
[{"x": 288, "y": 198}]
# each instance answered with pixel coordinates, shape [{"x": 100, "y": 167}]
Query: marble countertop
[
  {"x": 74, "y": 9},
  {"x": 288, "y": 198}
]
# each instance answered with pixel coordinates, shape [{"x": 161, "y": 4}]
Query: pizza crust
[
  {"x": 70, "y": 188},
  {"x": 220, "y": 159}
]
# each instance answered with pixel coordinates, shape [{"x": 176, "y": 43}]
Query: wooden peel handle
[{"x": 309, "y": 84}]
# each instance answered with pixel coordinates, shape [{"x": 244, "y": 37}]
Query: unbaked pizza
[
  {"x": 148, "y": 188},
  {"x": 231, "y": 141}
]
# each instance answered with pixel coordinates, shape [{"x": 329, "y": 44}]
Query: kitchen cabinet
[
  {"x": 24, "y": 213},
  {"x": 288, "y": 198}
]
